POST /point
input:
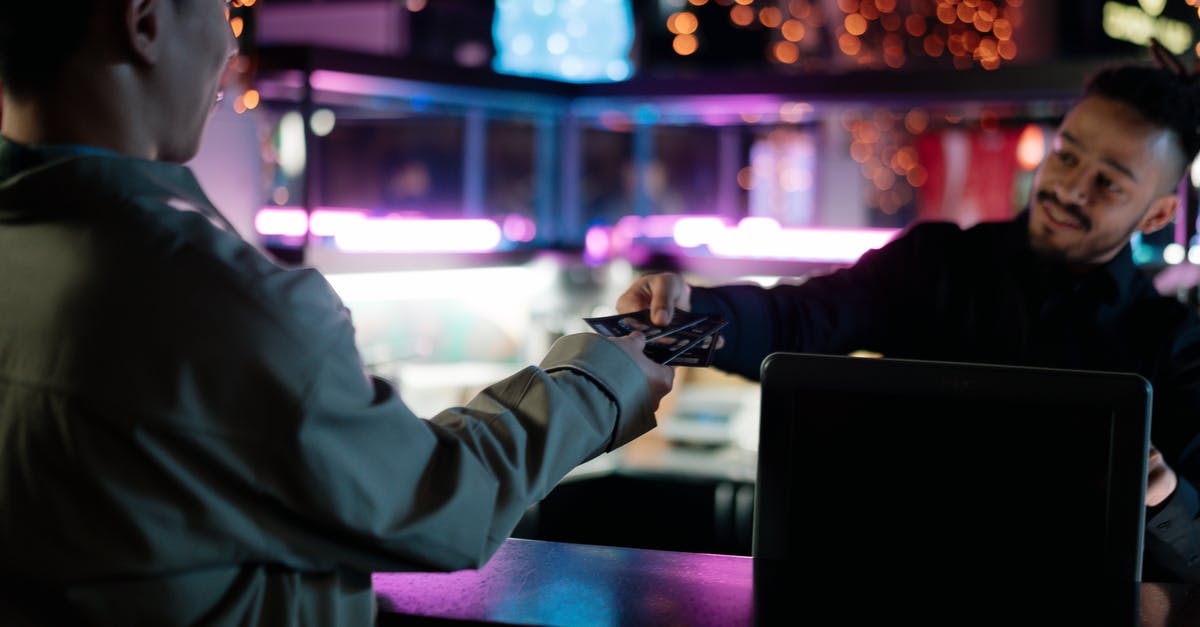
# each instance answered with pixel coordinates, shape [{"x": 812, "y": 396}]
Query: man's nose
[{"x": 1073, "y": 188}]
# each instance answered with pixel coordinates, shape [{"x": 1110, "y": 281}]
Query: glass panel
[
  {"x": 284, "y": 158},
  {"x": 779, "y": 174},
  {"x": 400, "y": 164},
  {"x": 510, "y": 168},
  {"x": 683, "y": 176},
  {"x": 607, "y": 190}
]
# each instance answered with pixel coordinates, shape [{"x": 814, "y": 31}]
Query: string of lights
[{"x": 869, "y": 33}]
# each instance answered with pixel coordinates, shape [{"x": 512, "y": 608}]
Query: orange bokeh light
[
  {"x": 916, "y": 121},
  {"x": 1031, "y": 147},
  {"x": 771, "y": 17},
  {"x": 915, "y": 25},
  {"x": 793, "y": 30},
  {"x": 251, "y": 98},
  {"x": 849, "y": 44},
  {"x": 685, "y": 44},
  {"x": 741, "y": 15},
  {"x": 786, "y": 52},
  {"x": 855, "y": 24}
]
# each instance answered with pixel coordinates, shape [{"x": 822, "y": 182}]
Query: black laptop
[{"x": 950, "y": 492}]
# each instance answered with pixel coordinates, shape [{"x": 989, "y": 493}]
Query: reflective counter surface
[{"x": 530, "y": 582}]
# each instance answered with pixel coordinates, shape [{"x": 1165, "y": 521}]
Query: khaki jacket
[{"x": 188, "y": 436}]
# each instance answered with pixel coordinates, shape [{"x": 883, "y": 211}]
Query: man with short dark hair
[
  {"x": 187, "y": 433},
  {"x": 1055, "y": 287}
]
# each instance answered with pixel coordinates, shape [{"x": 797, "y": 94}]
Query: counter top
[{"x": 531, "y": 582}]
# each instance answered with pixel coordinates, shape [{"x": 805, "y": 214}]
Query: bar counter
[{"x": 531, "y": 582}]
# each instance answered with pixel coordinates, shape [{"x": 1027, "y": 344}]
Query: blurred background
[{"x": 476, "y": 176}]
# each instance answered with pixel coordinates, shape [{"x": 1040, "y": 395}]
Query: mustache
[{"x": 1074, "y": 210}]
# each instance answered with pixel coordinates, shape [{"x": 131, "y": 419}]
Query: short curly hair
[
  {"x": 1163, "y": 97},
  {"x": 37, "y": 39}
]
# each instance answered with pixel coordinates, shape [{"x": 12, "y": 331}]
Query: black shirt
[{"x": 981, "y": 295}]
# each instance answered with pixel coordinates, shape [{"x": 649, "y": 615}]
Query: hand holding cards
[{"x": 688, "y": 340}]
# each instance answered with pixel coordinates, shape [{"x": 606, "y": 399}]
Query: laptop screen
[{"x": 879, "y": 469}]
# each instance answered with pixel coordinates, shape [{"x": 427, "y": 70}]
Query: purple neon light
[
  {"x": 693, "y": 232},
  {"x": 597, "y": 244},
  {"x": 518, "y": 228},
  {"x": 752, "y": 238},
  {"x": 344, "y": 82},
  {"x": 328, "y": 222},
  {"x": 282, "y": 221},
  {"x": 354, "y": 230},
  {"x": 419, "y": 235},
  {"x": 764, "y": 238}
]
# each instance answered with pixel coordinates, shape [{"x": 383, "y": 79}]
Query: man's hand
[
  {"x": 660, "y": 293},
  {"x": 1160, "y": 479},
  {"x": 659, "y": 377}
]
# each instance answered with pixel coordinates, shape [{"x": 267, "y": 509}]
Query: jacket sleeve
[
  {"x": 351, "y": 478},
  {"x": 1172, "y": 550},
  {"x": 1173, "y": 536},
  {"x": 854, "y": 308}
]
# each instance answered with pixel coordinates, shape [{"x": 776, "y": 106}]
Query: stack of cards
[{"x": 689, "y": 339}]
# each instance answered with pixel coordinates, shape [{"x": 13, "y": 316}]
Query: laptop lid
[{"x": 885, "y": 469}]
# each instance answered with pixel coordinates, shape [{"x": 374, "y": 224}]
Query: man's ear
[
  {"x": 1162, "y": 211},
  {"x": 142, "y": 29}
]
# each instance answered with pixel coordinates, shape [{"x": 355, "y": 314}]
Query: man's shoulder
[
  {"x": 946, "y": 237},
  {"x": 1165, "y": 312},
  {"x": 153, "y": 222},
  {"x": 947, "y": 229}
]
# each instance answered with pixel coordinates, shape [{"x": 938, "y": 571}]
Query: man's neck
[{"x": 55, "y": 118}]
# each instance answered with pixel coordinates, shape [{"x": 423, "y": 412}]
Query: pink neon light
[
  {"x": 657, "y": 225},
  {"x": 758, "y": 238},
  {"x": 752, "y": 238},
  {"x": 620, "y": 236},
  {"x": 285, "y": 221},
  {"x": 354, "y": 230},
  {"x": 693, "y": 232},
  {"x": 329, "y": 222},
  {"x": 597, "y": 243},
  {"x": 518, "y": 228},
  {"x": 344, "y": 82},
  {"x": 418, "y": 235}
]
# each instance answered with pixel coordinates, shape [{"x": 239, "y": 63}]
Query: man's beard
[{"x": 1042, "y": 249}]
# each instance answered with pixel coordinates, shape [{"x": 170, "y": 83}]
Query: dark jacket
[{"x": 939, "y": 292}]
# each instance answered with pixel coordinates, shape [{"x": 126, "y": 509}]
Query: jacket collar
[{"x": 32, "y": 182}]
